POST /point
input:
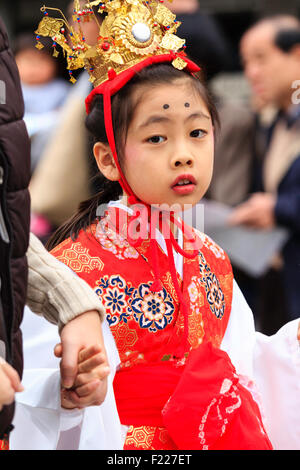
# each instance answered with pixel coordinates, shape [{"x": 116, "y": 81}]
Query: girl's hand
[
  {"x": 83, "y": 331},
  {"x": 90, "y": 386},
  {"x": 65, "y": 401},
  {"x": 9, "y": 383}
]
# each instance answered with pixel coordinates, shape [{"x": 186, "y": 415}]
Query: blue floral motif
[
  {"x": 114, "y": 300},
  {"x": 214, "y": 295},
  {"x": 113, "y": 292},
  {"x": 203, "y": 265},
  {"x": 213, "y": 290},
  {"x": 152, "y": 310}
]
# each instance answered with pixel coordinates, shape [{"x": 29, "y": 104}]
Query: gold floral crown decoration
[{"x": 131, "y": 31}]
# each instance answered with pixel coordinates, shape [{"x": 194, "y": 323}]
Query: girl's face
[{"x": 169, "y": 149}]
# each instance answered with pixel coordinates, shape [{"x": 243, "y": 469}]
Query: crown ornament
[{"x": 131, "y": 31}]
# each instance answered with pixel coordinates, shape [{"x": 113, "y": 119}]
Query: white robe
[{"x": 269, "y": 367}]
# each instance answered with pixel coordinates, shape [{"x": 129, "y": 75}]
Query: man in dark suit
[{"x": 270, "y": 52}]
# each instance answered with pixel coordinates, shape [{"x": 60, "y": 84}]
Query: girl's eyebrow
[
  {"x": 159, "y": 118},
  {"x": 153, "y": 120},
  {"x": 199, "y": 114}
]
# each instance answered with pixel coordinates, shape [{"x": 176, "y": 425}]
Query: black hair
[
  {"x": 286, "y": 39},
  {"x": 122, "y": 112},
  {"x": 286, "y": 30},
  {"x": 27, "y": 40}
]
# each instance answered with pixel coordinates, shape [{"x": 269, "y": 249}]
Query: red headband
[{"x": 116, "y": 82}]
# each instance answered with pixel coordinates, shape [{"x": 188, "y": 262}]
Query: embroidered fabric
[{"x": 230, "y": 391}]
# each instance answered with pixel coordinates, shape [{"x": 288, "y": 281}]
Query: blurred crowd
[{"x": 257, "y": 161}]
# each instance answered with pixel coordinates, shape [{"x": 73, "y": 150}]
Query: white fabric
[
  {"x": 276, "y": 363},
  {"x": 40, "y": 422}
]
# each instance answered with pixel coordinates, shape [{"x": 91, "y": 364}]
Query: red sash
[
  {"x": 142, "y": 391},
  {"x": 202, "y": 405}
]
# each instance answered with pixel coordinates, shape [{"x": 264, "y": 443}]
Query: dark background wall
[{"x": 20, "y": 15}]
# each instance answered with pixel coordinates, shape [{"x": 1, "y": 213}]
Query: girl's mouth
[{"x": 184, "y": 184}]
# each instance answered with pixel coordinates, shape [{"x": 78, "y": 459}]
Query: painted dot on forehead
[
  {"x": 187, "y": 105},
  {"x": 166, "y": 106}
]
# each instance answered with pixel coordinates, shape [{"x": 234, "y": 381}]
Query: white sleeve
[
  {"x": 239, "y": 339},
  {"x": 272, "y": 364},
  {"x": 39, "y": 422}
]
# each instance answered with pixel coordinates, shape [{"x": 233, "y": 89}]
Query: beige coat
[
  {"x": 54, "y": 291},
  {"x": 233, "y": 155}
]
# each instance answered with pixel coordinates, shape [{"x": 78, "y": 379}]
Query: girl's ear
[{"x": 105, "y": 161}]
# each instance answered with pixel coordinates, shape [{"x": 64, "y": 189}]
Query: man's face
[{"x": 269, "y": 70}]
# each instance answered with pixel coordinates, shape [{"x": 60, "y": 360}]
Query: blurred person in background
[
  {"x": 205, "y": 41},
  {"x": 233, "y": 153},
  {"x": 44, "y": 90},
  {"x": 270, "y": 52}
]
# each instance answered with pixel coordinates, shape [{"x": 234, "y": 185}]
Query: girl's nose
[{"x": 182, "y": 160}]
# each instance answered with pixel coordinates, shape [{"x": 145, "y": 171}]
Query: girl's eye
[
  {"x": 198, "y": 133},
  {"x": 156, "y": 139}
]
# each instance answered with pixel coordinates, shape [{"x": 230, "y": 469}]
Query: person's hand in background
[{"x": 9, "y": 383}]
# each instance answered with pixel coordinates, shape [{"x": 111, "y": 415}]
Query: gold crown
[{"x": 131, "y": 31}]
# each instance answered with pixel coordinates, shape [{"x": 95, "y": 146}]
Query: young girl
[
  {"x": 164, "y": 126},
  {"x": 193, "y": 374}
]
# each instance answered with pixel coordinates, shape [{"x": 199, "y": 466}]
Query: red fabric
[
  {"x": 211, "y": 410},
  {"x": 4, "y": 444},
  {"x": 148, "y": 438},
  {"x": 106, "y": 261},
  {"x": 142, "y": 391},
  {"x": 202, "y": 405}
]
